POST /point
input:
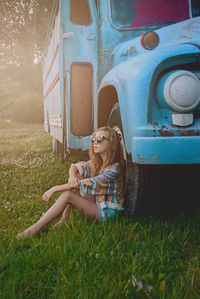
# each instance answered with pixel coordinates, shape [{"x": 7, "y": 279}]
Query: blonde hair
[{"x": 114, "y": 152}]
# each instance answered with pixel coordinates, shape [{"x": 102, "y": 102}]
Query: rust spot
[
  {"x": 171, "y": 130},
  {"x": 165, "y": 133},
  {"x": 131, "y": 50},
  {"x": 154, "y": 132},
  {"x": 163, "y": 130},
  {"x": 154, "y": 129},
  {"x": 188, "y": 132},
  {"x": 197, "y": 46}
]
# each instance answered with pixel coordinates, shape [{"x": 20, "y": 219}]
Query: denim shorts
[{"x": 107, "y": 213}]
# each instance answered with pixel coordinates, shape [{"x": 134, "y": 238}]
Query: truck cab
[{"x": 133, "y": 65}]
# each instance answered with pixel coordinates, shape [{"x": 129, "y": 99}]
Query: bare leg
[
  {"x": 89, "y": 210},
  {"x": 67, "y": 210},
  {"x": 91, "y": 198},
  {"x": 65, "y": 216}
]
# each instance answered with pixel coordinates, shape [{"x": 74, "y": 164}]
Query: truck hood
[{"x": 184, "y": 32}]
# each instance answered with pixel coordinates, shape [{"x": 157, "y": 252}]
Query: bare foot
[
  {"x": 26, "y": 234},
  {"x": 59, "y": 223}
]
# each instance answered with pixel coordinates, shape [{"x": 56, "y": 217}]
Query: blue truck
[{"x": 133, "y": 65}]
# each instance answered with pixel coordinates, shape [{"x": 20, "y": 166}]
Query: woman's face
[{"x": 101, "y": 146}]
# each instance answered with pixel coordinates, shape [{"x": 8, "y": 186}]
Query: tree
[{"x": 23, "y": 27}]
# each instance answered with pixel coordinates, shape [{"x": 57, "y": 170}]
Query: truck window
[
  {"x": 195, "y": 8},
  {"x": 80, "y": 12},
  {"x": 143, "y": 13}
]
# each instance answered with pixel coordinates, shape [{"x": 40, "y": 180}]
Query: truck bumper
[{"x": 166, "y": 150}]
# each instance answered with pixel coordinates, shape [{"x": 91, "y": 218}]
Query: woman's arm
[
  {"x": 60, "y": 188},
  {"x": 74, "y": 177},
  {"x": 73, "y": 181},
  {"x": 73, "y": 172},
  {"x": 93, "y": 185}
]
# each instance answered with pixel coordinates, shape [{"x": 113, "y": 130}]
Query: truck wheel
[
  {"x": 158, "y": 189},
  {"x": 140, "y": 183}
]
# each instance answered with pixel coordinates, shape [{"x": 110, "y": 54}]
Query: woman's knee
[{"x": 66, "y": 195}]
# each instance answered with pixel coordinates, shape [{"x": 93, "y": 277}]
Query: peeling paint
[
  {"x": 188, "y": 132},
  {"x": 142, "y": 158},
  {"x": 165, "y": 130}
]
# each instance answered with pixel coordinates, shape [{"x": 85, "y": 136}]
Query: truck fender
[{"x": 129, "y": 84}]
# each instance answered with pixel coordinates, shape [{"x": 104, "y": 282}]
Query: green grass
[{"x": 82, "y": 259}]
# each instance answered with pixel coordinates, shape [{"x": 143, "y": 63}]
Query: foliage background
[{"x": 23, "y": 28}]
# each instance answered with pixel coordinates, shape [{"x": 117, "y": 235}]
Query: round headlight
[
  {"x": 182, "y": 90},
  {"x": 149, "y": 40}
]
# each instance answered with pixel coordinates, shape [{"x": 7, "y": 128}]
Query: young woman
[{"x": 100, "y": 181}]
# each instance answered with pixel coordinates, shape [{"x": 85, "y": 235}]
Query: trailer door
[{"x": 80, "y": 66}]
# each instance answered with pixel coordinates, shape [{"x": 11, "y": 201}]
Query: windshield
[{"x": 148, "y": 13}]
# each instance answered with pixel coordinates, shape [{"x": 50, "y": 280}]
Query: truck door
[{"x": 80, "y": 68}]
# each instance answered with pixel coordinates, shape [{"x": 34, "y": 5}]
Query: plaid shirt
[{"x": 107, "y": 186}]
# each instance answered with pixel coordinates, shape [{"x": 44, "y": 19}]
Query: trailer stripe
[
  {"x": 53, "y": 83},
  {"x": 52, "y": 62}
]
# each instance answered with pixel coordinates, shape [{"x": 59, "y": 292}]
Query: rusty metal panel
[
  {"x": 80, "y": 12},
  {"x": 81, "y": 105}
]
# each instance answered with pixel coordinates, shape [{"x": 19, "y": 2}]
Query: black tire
[
  {"x": 139, "y": 190},
  {"x": 158, "y": 189}
]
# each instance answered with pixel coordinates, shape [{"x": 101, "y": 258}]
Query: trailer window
[
  {"x": 80, "y": 12},
  {"x": 81, "y": 105},
  {"x": 143, "y": 13}
]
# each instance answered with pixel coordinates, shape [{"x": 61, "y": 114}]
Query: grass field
[{"x": 82, "y": 259}]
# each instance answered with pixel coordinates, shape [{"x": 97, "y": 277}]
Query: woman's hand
[
  {"x": 48, "y": 194},
  {"x": 74, "y": 182}
]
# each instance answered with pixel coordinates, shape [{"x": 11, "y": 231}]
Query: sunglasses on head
[{"x": 99, "y": 139}]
